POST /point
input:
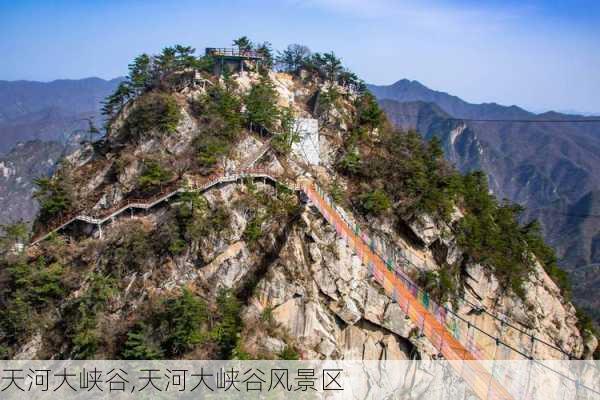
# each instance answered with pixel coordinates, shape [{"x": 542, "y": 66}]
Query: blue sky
[{"x": 538, "y": 54}]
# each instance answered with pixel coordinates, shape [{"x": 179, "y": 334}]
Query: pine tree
[
  {"x": 243, "y": 44},
  {"x": 138, "y": 345},
  {"x": 293, "y": 57},
  {"x": 140, "y": 73}
]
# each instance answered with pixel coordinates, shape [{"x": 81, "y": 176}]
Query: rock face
[
  {"x": 321, "y": 294},
  {"x": 300, "y": 284},
  {"x": 543, "y": 312},
  {"x": 18, "y": 169}
]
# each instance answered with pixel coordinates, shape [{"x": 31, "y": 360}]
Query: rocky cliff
[{"x": 248, "y": 267}]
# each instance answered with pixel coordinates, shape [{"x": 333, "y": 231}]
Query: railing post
[{"x": 531, "y": 352}]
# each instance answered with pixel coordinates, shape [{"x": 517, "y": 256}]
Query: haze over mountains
[
  {"x": 42, "y": 117},
  {"x": 48, "y": 110},
  {"x": 550, "y": 167}
]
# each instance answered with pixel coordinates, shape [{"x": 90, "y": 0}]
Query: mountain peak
[{"x": 405, "y": 90}]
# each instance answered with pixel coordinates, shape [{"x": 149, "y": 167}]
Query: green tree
[
  {"x": 368, "y": 112},
  {"x": 154, "y": 176},
  {"x": 222, "y": 108},
  {"x": 12, "y": 235},
  {"x": 184, "y": 57},
  {"x": 165, "y": 62},
  {"x": 265, "y": 50},
  {"x": 375, "y": 202},
  {"x": 332, "y": 66},
  {"x": 293, "y": 58},
  {"x": 153, "y": 112},
  {"x": 209, "y": 150},
  {"x": 82, "y": 315},
  {"x": 261, "y": 104},
  {"x": 54, "y": 195},
  {"x": 140, "y": 73},
  {"x": 86, "y": 340},
  {"x": 183, "y": 317},
  {"x": 289, "y": 135},
  {"x": 243, "y": 44},
  {"x": 115, "y": 102},
  {"x": 349, "y": 79},
  {"x": 230, "y": 324},
  {"x": 16, "y": 318},
  {"x": 546, "y": 256},
  {"x": 139, "y": 346}
]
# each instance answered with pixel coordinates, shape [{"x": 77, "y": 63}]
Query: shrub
[
  {"x": 253, "y": 231},
  {"x": 138, "y": 345},
  {"x": 221, "y": 107},
  {"x": 374, "y": 202},
  {"x": 167, "y": 238},
  {"x": 182, "y": 319},
  {"x": 198, "y": 220},
  {"x": 155, "y": 111},
  {"x": 153, "y": 176},
  {"x": 130, "y": 251},
  {"x": 289, "y": 353},
  {"x": 350, "y": 162},
  {"x": 230, "y": 324},
  {"x": 328, "y": 100},
  {"x": 54, "y": 195},
  {"x": 442, "y": 284},
  {"x": 209, "y": 150}
]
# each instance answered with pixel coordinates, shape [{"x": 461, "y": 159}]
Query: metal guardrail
[{"x": 232, "y": 52}]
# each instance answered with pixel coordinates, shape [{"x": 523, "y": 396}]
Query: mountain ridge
[
  {"x": 26, "y": 107},
  {"x": 405, "y": 90}
]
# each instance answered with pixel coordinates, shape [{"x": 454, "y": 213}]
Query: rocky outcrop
[
  {"x": 301, "y": 285},
  {"x": 322, "y": 296}
]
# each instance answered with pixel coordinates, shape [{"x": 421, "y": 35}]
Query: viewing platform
[{"x": 233, "y": 59}]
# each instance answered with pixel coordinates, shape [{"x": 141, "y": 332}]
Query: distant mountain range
[
  {"x": 549, "y": 167},
  {"x": 49, "y": 111},
  {"x": 37, "y": 120}
]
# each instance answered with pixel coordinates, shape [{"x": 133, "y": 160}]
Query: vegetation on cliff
[{"x": 136, "y": 268}]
